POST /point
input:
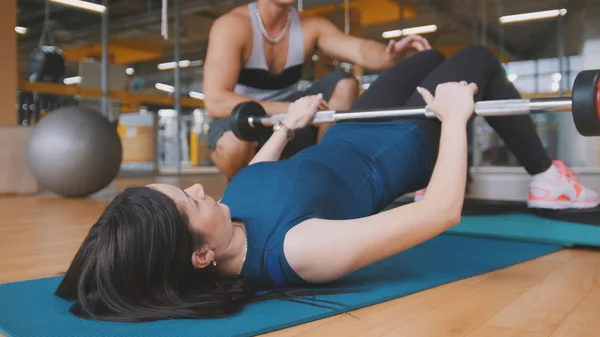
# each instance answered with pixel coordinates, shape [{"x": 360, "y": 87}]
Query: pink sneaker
[
  {"x": 562, "y": 193},
  {"x": 420, "y": 194}
]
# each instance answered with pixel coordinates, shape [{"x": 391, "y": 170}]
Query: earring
[{"x": 214, "y": 263}]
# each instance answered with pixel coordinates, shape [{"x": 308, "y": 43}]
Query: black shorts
[{"x": 304, "y": 137}]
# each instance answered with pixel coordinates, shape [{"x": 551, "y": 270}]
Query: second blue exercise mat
[{"x": 30, "y": 309}]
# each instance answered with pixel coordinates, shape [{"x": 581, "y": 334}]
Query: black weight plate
[
  {"x": 239, "y": 121},
  {"x": 586, "y": 103}
]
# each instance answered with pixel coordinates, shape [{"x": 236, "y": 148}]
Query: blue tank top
[
  {"x": 271, "y": 198},
  {"x": 344, "y": 177}
]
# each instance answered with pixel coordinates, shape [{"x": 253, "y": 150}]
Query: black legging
[{"x": 396, "y": 87}]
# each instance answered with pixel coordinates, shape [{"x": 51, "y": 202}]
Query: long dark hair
[{"x": 135, "y": 265}]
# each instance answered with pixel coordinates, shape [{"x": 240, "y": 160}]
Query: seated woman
[{"x": 161, "y": 252}]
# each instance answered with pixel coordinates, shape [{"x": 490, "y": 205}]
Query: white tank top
[{"x": 255, "y": 79}]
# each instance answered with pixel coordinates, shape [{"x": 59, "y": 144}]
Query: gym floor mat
[
  {"x": 528, "y": 227},
  {"x": 492, "y": 207},
  {"x": 29, "y": 308}
]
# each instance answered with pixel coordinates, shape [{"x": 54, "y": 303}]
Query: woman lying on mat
[{"x": 161, "y": 252}]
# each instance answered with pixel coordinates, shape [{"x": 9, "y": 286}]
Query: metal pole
[
  {"x": 475, "y": 124},
  {"x": 104, "y": 75},
  {"x": 484, "y": 23},
  {"x": 347, "y": 66},
  {"x": 401, "y": 14},
  {"x": 536, "y": 85},
  {"x": 565, "y": 139},
  {"x": 474, "y": 35},
  {"x": 337, "y": 13},
  {"x": 177, "y": 80},
  {"x": 347, "y": 17},
  {"x": 337, "y": 20},
  {"x": 155, "y": 142},
  {"x": 500, "y": 13},
  {"x": 560, "y": 49}
]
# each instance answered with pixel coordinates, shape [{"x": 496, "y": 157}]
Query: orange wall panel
[{"x": 8, "y": 62}]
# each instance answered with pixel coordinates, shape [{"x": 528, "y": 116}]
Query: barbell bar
[{"x": 249, "y": 121}]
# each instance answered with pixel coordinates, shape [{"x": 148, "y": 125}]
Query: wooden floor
[{"x": 556, "y": 295}]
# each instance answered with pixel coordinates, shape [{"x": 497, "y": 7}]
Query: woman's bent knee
[
  {"x": 479, "y": 52},
  {"x": 432, "y": 55}
]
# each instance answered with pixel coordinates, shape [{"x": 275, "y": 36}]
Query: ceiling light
[
  {"x": 556, "y": 77},
  {"x": 90, "y": 6},
  {"x": 164, "y": 87},
  {"x": 20, "y": 30},
  {"x": 171, "y": 65},
  {"x": 72, "y": 80},
  {"x": 409, "y": 31},
  {"x": 130, "y": 71},
  {"x": 532, "y": 16},
  {"x": 196, "y": 95}
]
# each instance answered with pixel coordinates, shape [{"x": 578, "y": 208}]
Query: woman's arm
[
  {"x": 272, "y": 149},
  {"x": 300, "y": 114},
  {"x": 341, "y": 247}
]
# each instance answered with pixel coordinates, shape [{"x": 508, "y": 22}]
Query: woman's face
[{"x": 207, "y": 217}]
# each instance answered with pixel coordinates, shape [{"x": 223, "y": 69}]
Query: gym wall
[
  {"x": 8, "y": 64},
  {"x": 15, "y": 177}
]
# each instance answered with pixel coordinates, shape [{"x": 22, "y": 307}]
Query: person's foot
[{"x": 559, "y": 188}]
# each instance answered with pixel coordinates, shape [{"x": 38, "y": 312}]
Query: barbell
[{"x": 250, "y": 123}]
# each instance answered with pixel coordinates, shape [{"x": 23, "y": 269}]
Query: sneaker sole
[{"x": 552, "y": 204}]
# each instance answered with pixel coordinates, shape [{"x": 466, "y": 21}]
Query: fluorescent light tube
[
  {"x": 171, "y": 65},
  {"x": 164, "y": 87},
  {"x": 533, "y": 16},
  {"x": 72, "y": 80},
  {"x": 90, "y": 6},
  {"x": 196, "y": 95},
  {"x": 409, "y": 31},
  {"x": 20, "y": 30}
]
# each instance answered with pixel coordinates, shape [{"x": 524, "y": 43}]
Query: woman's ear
[{"x": 203, "y": 257}]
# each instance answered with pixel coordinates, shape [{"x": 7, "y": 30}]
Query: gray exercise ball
[{"x": 74, "y": 152}]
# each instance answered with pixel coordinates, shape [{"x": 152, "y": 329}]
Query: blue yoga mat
[
  {"x": 538, "y": 229},
  {"x": 29, "y": 308}
]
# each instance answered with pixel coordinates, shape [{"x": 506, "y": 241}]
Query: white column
[{"x": 574, "y": 149}]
